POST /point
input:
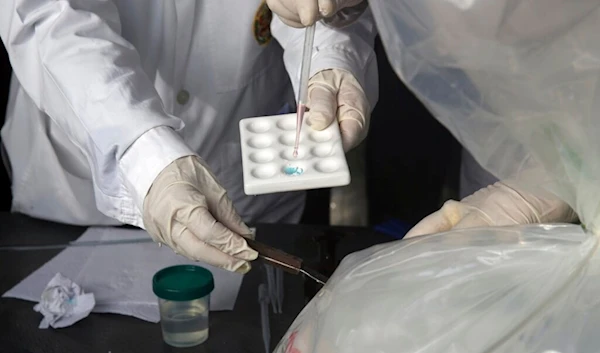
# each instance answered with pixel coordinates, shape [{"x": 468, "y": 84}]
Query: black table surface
[{"x": 233, "y": 331}]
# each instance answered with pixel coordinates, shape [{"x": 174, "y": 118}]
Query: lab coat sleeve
[
  {"x": 72, "y": 61},
  {"x": 350, "y": 48}
]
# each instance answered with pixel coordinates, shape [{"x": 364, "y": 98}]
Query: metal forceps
[{"x": 288, "y": 263}]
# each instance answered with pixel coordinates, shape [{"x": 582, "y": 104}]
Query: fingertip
[
  {"x": 308, "y": 19},
  {"x": 307, "y": 22},
  {"x": 241, "y": 228},
  {"x": 318, "y": 121},
  {"x": 308, "y": 13},
  {"x": 350, "y": 130},
  {"x": 411, "y": 235},
  {"x": 249, "y": 234},
  {"x": 288, "y": 16},
  {"x": 347, "y": 145},
  {"x": 248, "y": 254},
  {"x": 245, "y": 252},
  {"x": 195, "y": 249},
  {"x": 291, "y": 23},
  {"x": 327, "y": 8},
  {"x": 433, "y": 223},
  {"x": 242, "y": 268}
]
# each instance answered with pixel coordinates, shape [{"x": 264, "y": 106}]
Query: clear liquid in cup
[{"x": 184, "y": 328}]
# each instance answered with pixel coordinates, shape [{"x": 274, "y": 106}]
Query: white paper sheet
[{"x": 120, "y": 276}]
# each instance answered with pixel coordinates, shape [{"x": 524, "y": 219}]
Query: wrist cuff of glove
[{"x": 146, "y": 158}]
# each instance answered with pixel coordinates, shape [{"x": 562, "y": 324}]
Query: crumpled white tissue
[{"x": 63, "y": 303}]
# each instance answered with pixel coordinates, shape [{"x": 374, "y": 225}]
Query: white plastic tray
[{"x": 267, "y": 156}]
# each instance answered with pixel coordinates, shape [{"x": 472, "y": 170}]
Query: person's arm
[
  {"x": 349, "y": 49},
  {"x": 71, "y": 59},
  {"x": 504, "y": 203},
  {"x": 343, "y": 67}
]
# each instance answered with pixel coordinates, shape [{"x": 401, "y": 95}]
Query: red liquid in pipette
[{"x": 299, "y": 118}]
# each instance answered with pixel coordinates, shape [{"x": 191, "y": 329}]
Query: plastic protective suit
[{"x": 516, "y": 82}]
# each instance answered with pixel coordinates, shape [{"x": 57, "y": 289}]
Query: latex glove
[
  {"x": 501, "y": 204},
  {"x": 304, "y": 13},
  {"x": 335, "y": 95},
  {"x": 188, "y": 210}
]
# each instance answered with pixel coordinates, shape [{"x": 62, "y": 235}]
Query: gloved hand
[
  {"x": 336, "y": 95},
  {"x": 188, "y": 210},
  {"x": 501, "y": 204},
  {"x": 304, "y": 13}
]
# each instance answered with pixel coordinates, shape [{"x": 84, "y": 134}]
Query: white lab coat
[{"x": 98, "y": 102}]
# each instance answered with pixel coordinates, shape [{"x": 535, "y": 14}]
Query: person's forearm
[
  {"x": 72, "y": 61},
  {"x": 350, "y": 49}
]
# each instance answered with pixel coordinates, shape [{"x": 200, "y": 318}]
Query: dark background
[
  {"x": 5, "y": 72},
  {"x": 412, "y": 161}
]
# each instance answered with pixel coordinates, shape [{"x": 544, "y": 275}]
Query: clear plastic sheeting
[
  {"x": 515, "y": 289},
  {"x": 516, "y": 81}
]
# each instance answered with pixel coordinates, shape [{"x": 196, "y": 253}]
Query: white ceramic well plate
[{"x": 268, "y": 162}]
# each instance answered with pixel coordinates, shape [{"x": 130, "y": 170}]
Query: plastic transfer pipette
[{"x": 309, "y": 38}]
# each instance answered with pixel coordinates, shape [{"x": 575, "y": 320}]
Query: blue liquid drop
[{"x": 289, "y": 170}]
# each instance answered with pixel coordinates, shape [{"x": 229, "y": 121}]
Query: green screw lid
[{"x": 183, "y": 283}]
